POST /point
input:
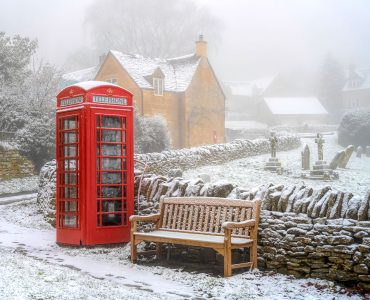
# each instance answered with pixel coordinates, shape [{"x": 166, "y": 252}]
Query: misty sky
[{"x": 260, "y": 38}]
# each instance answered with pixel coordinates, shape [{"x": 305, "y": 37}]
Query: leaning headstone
[
  {"x": 348, "y": 153},
  {"x": 306, "y": 158},
  {"x": 368, "y": 151},
  {"x": 359, "y": 151},
  {"x": 337, "y": 159}
]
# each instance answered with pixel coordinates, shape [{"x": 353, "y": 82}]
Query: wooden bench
[{"x": 217, "y": 223}]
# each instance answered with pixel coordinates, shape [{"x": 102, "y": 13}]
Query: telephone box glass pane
[
  {"x": 111, "y": 122},
  {"x": 111, "y": 219},
  {"x": 70, "y": 221},
  {"x": 111, "y": 192},
  {"x": 111, "y": 150},
  {"x": 70, "y": 151},
  {"x": 69, "y": 137},
  {"x": 70, "y": 123},
  {"x": 111, "y": 164},
  {"x": 111, "y": 178},
  {"x": 70, "y": 206},
  {"x": 112, "y": 206},
  {"x": 111, "y": 136}
]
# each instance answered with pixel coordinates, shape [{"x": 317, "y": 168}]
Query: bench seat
[{"x": 189, "y": 238}]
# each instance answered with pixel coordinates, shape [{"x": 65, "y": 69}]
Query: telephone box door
[
  {"x": 70, "y": 210},
  {"x": 111, "y": 175}
]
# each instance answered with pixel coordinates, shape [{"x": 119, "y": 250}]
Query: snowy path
[
  {"x": 40, "y": 245},
  {"x": 16, "y": 198}
]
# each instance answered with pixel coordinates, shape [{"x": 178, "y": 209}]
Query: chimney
[{"x": 201, "y": 47}]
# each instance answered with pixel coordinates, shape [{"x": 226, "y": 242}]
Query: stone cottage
[{"x": 184, "y": 90}]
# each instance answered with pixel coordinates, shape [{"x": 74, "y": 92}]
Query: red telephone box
[{"x": 95, "y": 164}]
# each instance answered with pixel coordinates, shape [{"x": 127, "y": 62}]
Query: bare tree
[{"x": 156, "y": 28}]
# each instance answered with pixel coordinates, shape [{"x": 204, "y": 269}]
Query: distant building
[
  {"x": 278, "y": 99},
  {"x": 243, "y": 98},
  {"x": 184, "y": 90},
  {"x": 292, "y": 111},
  {"x": 356, "y": 91}
]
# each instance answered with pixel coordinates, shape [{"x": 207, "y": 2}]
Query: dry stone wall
[
  {"x": 161, "y": 163},
  {"x": 14, "y": 165}
]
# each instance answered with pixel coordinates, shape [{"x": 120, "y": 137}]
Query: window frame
[{"x": 158, "y": 86}]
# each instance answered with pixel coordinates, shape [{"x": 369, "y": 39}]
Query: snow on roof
[
  {"x": 81, "y": 75},
  {"x": 363, "y": 82},
  {"x": 295, "y": 106},
  {"x": 249, "y": 88},
  {"x": 178, "y": 72},
  {"x": 88, "y": 85}
]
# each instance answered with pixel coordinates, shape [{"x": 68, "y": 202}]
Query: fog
[{"x": 259, "y": 37}]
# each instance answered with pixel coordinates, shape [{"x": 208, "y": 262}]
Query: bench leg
[
  {"x": 133, "y": 251},
  {"x": 227, "y": 264},
  {"x": 158, "y": 250},
  {"x": 253, "y": 255}
]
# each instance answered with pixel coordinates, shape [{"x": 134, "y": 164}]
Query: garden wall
[{"x": 14, "y": 165}]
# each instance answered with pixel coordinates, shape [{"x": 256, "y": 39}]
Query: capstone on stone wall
[{"x": 14, "y": 165}]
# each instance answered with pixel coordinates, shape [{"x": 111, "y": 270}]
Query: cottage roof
[
  {"x": 362, "y": 81},
  {"x": 81, "y": 75},
  {"x": 295, "y": 106},
  {"x": 178, "y": 72},
  {"x": 249, "y": 88}
]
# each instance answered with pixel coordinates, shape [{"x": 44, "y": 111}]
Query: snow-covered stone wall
[
  {"x": 184, "y": 159},
  {"x": 12, "y": 164}
]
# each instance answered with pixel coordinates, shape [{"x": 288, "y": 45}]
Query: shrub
[
  {"x": 36, "y": 140},
  {"x": 152, "y": 135},
  {"x": 354, "y": 129}
]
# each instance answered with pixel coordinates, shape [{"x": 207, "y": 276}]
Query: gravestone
[
  {"x": 321, "y": 169},
  {"x": 306, "y": 158},
  {"x": 348, "y": 153},
  {"x": 368, "y": 151},
  {"x": 273, "y": 164},
  {"x": 339, "y": 156},
  {"x": 359, "y": 151}
]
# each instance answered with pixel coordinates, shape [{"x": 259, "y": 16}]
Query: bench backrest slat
[{"x": 205, "y": 214}]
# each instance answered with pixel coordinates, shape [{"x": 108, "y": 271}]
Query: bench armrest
[
  {"x": 147, "y": 218},
  {"x": 242, "y": 224}
]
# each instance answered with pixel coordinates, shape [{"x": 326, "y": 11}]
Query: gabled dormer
[{"x": 157, "y": 81}]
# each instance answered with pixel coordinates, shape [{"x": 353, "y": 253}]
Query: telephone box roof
[{"x": 89, "y": 85}]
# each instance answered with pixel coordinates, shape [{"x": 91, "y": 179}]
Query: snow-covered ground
[
  {"x": 249, "y": 172},
  {"x": 18, "y": 185},
  {"x": 32, "y": 266}
]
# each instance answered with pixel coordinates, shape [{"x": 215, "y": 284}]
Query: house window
[
  {"x": 112, "y": 80},
  {"x": 158, "y": 86}
]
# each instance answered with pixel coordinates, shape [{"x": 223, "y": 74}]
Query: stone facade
[{"x": 14, "y": 165}]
